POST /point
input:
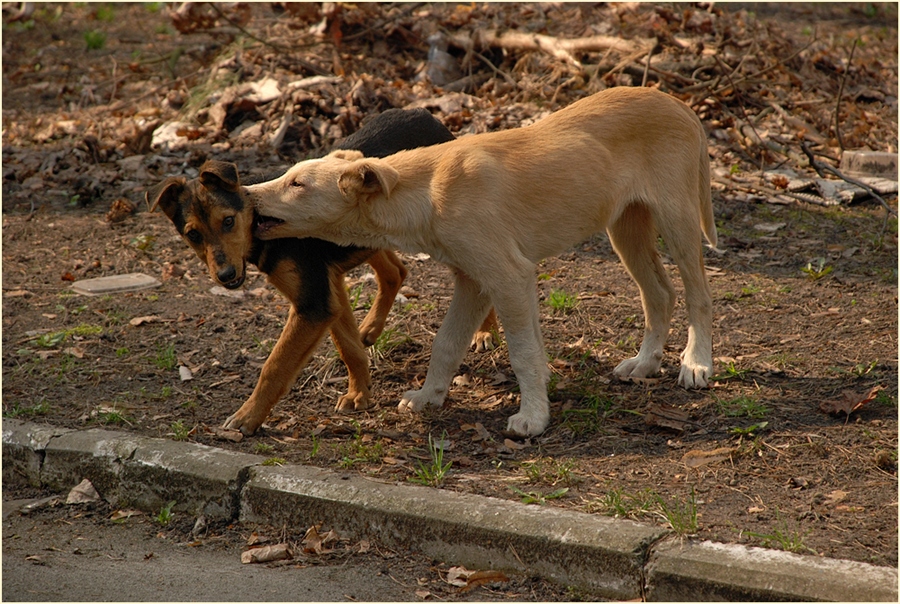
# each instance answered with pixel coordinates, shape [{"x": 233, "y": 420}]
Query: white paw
[
  {"x": 416, "y": 401},
  {"x": 637, "y": 367},
  {"x": 694, "y": 376},
  {"x": 528, "y": 425}
]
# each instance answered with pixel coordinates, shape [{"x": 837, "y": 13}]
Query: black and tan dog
[{"x": 213, "y": 215}]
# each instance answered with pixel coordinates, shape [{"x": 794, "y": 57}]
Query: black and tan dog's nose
[{"x": 226, "y": 274}]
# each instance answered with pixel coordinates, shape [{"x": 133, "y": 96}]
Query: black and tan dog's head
[{"x": 213, "y": 216}]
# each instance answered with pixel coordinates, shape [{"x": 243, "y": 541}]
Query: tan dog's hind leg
[
  {"x": 346, "y": 339},
  {"x": 682, "y": 236},
  {"x": 298, "y": 340},
  {"x": 389, "y": 274},
  {"x": 468, "y": 307},
  {"x": 633, "y": 237}
]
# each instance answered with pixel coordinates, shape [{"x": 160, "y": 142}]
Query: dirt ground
[{"x": 805, "y": 295}]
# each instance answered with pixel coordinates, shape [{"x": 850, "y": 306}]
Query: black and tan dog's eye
[
  {"x": 228, "y": 222},
  {"x": 194, "y": 236}
]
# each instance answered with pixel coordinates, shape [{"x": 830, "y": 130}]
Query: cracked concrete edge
[
  {"x": 609, "y": 557},
  {"x": 598, "y": 554},
  {"x": 680, "y": 570}
]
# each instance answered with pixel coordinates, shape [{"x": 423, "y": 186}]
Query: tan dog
[{"x": 632, "y": 161}]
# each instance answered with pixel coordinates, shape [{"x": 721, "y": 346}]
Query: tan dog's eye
[
  {"x": 228, "y": 222},
  {"x": 194, "y": 236},
  {"x": 297, "y": 183}
]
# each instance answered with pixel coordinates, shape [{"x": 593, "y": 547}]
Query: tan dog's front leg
[
  {"x": 518, "y": 308},
  {"x": 346, "y": 338},
  {"x": 468, "y": 307},
  {"x": 389, "y": 274},
  {"x": 298, "y": 340}
]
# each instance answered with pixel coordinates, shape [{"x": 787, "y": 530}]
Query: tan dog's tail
[{"x": 707, "y": 219}]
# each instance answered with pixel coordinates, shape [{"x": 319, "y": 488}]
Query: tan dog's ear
[
  {"x": 348, "y": 154},
  {"x": 165, "y": 195},
  {"x": 219, "y": 174},
  {"x": 368, "y": 176}
]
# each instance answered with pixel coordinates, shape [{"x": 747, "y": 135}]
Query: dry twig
[{"x": 821, "y": 168}]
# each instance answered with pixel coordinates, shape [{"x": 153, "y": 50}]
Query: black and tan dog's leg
[
  {"x": 488, "y": 334},
  {"x": 298, "y": 340},
  {"x": 389, "y": 274},
  {"x": 346, "y": 338}
]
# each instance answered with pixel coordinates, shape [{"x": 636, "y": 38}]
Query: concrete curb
[{"x": 611, "y": 558}]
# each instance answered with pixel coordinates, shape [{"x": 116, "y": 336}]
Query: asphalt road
[{"x": 75, "y": 553}]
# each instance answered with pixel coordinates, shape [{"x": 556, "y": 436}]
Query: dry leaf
[
  {"x": 234, "y": 436},
  {"x": 84, "y": 492},
  {"x": 483, "y": 577},
  {"x": 462, "y": 380},
  {"x": 665, "y": 416},
  {"x": 513, "y": 445},
  {"x": 481, "y": 432},
  {"x": 124, "y": 514},
  {"x": 850, "y": 401},
  {"x": 695, "y": 459},
  {"x": 314, "y": 543},
  {"x": 17, "y": 293},
  {"x": 849, "y": 508},
  {"x": 269, "y": 553},
  {"x": 468, "y": 579},
  {"x": 458, "y": 575},
  {"x": 172, "y": 271},
  {"x": 141, "y": 320},
  {"x": 120, "y": 210},
  {"x": 835, "y": 496},
  {"x": 256, "y": 539}
]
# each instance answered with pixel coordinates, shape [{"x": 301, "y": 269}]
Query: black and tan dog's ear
[
  {"x": 368, "y": 176},
  {"x": 348, "y": 154},
  {"x": 219, "y": 174},
  {"x": 165, "y": 195}
]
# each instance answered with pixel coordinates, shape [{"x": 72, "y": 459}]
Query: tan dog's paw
[
  {"x": 637, "y": 367},
  {"x": 483, "y": 341},
  {"x": 528, "y": 425},
  {"x": 696, "y": 376},
  {"x": 416, "y": 401},
  {"x": 354, "y": 401},
  {"x": 247, "y": 421}
]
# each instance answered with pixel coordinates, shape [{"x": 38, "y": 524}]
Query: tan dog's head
[
  {"x": 323, "y": 198},
  {"x": 213, "y": 216}
]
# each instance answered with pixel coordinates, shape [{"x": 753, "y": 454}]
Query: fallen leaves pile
[{"x": 289, "y": 82}]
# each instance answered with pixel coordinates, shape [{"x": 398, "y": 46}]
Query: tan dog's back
[{"x": 614, "y": 141}]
